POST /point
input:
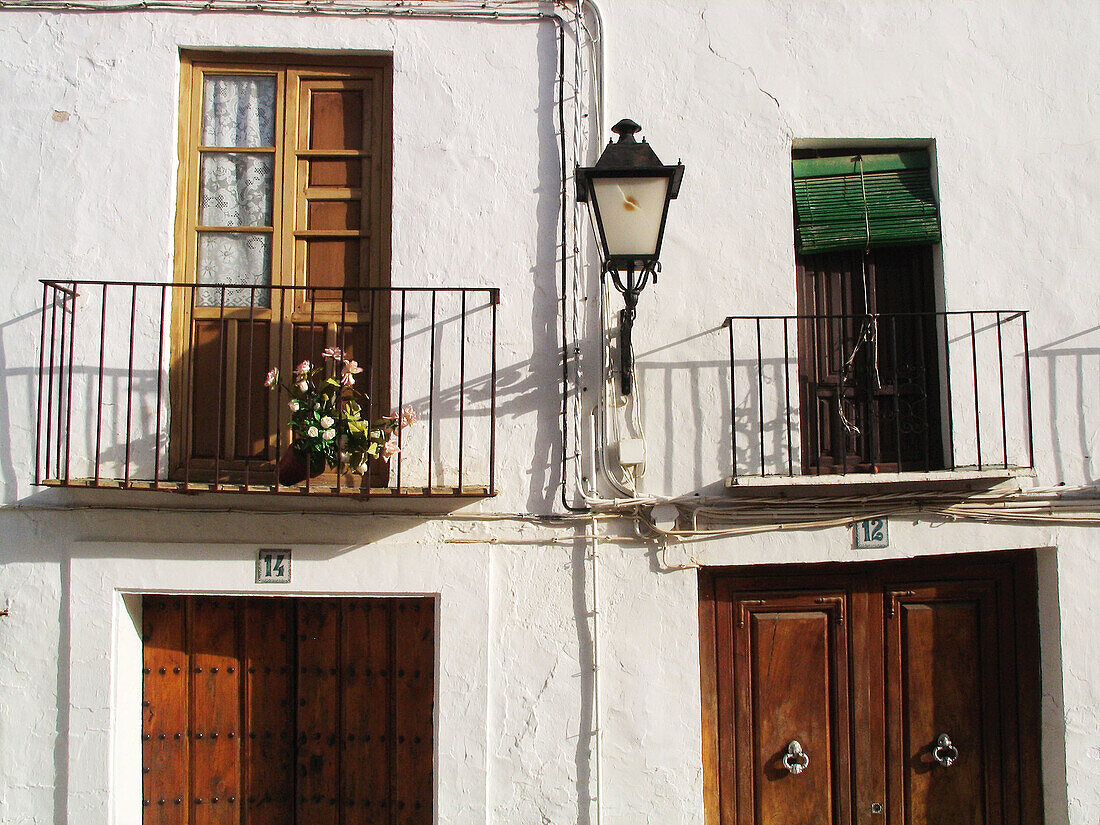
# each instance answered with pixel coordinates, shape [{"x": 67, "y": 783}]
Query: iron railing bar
[
  {"x": 188, "y": 423},
  {"x": 130, "y": 381},
  {"x": 461, "y": 388},
  {"x": 281, "y": 365},
  {"x": 815, "y": 343},
  {"x": 1001, "y": 374},
  {"x": 160, "y": 383},
  {"x": 872, "y": 427},
  {"x": 495, "y": 298},
  {"x": 974, "y": 363},
  {"x": 38, "y": 470},
  {"x": 49, "y": 393},
  {"x": 431, "y": 393},
  {"x": 852, "y": 315},
  {"x": 59, "y": 285},
  {"x": 760, "y": 394},
  {"x": 223, "y": 380},
  {"x": 401, "y": 388},
  {"x": 247, "y": 452},
  {"x": 950, "y": 400},
  {"x": 69, "y": 386},
  {"x": 65, "y": 338},
  {"x": 99, "y": 406},
  {"x": 787, "y": 395},
  {"x": 1027, "y": 384},
  {"x": 733, "y": 399}
]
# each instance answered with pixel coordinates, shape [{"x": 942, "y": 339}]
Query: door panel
[
  {"x": 288, "y": 711},
  {"x": 866, "y": 666},
  {"x": 791, "y": 677},
  {"x": 942, "y": 666}
]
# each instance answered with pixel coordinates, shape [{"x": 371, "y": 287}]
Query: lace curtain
[{"x": 236, "y": 189}]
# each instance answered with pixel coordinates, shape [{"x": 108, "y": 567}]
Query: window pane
[
  {"x": 236, "y": 189},
  {"x": 234, "y": 258},
  {"x": 238, "y": 111}
]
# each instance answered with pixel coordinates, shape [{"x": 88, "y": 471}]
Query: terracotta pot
[{"x": 293, "y": 470}]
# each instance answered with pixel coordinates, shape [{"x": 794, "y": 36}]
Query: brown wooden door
[
  {"x": 276, "y": 711},
  {"x": 910, "y": 687},
  {"x": 791, "y": 686}
]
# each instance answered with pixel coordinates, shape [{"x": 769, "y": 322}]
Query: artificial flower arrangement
[{"x": 326, "y": 419}]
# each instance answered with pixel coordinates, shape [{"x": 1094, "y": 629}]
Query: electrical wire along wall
[{"x": 197, "y": 387}]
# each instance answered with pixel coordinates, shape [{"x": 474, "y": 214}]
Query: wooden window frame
[{"x": 288, "y": 230}]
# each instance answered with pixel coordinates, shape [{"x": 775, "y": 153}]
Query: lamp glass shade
[{"x": 630, "y": 212}]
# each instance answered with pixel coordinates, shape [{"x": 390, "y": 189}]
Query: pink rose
[
  {"x": 272, "y": 378},
  {"x": 351, "y": 368},
  {"x": 408, "y": 417},
  {"x": 390, "y": 448},
  {"x": 303, "y": 368},
  {"x": 332, "y": 352}
]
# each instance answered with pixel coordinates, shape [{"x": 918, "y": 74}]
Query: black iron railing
[
  {"x": 906, "y": 392},
  {"x": 161, "y": 386}
]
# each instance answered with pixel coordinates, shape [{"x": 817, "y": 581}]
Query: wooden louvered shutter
[
  {"x": 276, "y": 711},
  {"x": 860, "y": 201}
]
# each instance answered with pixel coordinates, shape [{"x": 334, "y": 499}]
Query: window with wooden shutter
[
  {"x": 869, "y": 337},
  {"x": 288, "y": 711},
  {"x": 283, "y": 226}
]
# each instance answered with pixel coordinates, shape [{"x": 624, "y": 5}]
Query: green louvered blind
[{"x": 858, "y": 201}]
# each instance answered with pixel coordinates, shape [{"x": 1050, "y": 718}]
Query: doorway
[{"x": 902, "y": 692}]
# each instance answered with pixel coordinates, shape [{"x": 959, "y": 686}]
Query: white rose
[
  {"x": 293, "y": 406},
  {"x": 303, "y": 386},
  {"x": 327, "y": 422},
  {"x": 313, "y": 432},
  {"x": 328, "y": 435}
]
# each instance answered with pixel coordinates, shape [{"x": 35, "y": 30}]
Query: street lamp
[{"x": 629, "y": 190}]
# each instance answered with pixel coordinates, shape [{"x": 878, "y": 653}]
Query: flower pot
[{"x": 294, "y": 470}]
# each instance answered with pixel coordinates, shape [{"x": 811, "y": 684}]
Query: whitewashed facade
[{"x": 567, "y": 681}]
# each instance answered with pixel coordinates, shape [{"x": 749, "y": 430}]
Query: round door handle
[
  {"x": 944, "y": 752},
  {"x": 795, "y": 759}
]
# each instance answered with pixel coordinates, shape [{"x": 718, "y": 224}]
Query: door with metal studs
[
  {"x": 277, "y": 711},
  {"x": 902, "y": 693}
]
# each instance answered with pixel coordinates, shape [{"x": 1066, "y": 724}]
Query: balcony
[
  {"x": 148, "y": 386},
  {"x": 898, "y": 397}
]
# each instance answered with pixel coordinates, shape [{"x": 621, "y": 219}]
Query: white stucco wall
[{"x": 88, "y": 139}]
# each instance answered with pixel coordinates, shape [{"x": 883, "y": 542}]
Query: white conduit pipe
[{"x": 597, "y": 756}]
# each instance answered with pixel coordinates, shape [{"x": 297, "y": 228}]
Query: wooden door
[
  {"x": 277, "y": 711},
  {"x": 790, "y": 686},
  {"x": 869, "y": 345},
  {"x": 911, "y": 688}
]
